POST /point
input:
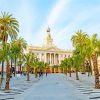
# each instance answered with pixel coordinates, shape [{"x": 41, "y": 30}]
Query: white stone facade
[{"x": 49, "y": 52}]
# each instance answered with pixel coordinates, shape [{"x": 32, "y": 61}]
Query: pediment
[{"x": 53, "y": 49}]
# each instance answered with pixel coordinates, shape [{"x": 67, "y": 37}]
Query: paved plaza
[{"x": 52, "y": 87}]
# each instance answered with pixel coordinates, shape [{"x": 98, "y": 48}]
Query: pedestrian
[
  {"x": 18, "y": 75},
  {"x": 46, "y": 71}
]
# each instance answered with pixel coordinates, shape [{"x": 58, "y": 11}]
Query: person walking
[
  {"x": 18, "y": 75},
  {"x": 46, "y": 71}
]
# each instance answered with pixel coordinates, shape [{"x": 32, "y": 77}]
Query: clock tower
[{"x": 49, "y": 40}]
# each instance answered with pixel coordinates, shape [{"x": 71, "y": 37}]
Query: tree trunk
[
  {"x": 90, "y": 65},
  {"x": 66, "y": 71},
  {"x": 15, "y": 67},
  {"x": 20, "y": 65},
  {"x": 96, "y": 71},
  {"x": 88, "y": 73},
  {"x": 3, "y": 43},
  {"x": 11, "y": 62},
  {"x": 77, "y": 77},
  {"x": 2, "y": 70},
  {"x": 70, "y": 72},
  {"x": 28, "y": 71},
  {"x": 11, "y": 65},
  {"x": 20, "y": 68},
  {"x": 7, "y": 76},
  {"x": 83, "y": 69}
]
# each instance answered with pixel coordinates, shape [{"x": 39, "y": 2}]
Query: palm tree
[
  {"x": 15, "y": 51},
  {"x": 22, "y": 45},
  {"x": 41, "y": 65},
  {"x": 28, "y": 58},
  {"x": 79, "y": 41},
  {"x": 95, "y": 52},
  {"x": 64, "y": 64},
  {"x": 92, "y": 51},
  {"x": 89, "y": 48},
  {"x": 17, "y": 48},
  {"x": 46, "y": 67},
  {"x": 20, "y": 61},
  {"x": 70, "y": 64},
  {"x": 77, "y": 62},
  {"x": 9, "y": 27},
  {"x": 35, "y": 65},
  {"x": 88, "y": 51},
  {"x": 5, "y": 52}
]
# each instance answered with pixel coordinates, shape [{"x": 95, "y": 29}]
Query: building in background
[{"x": 49, "y": 52}]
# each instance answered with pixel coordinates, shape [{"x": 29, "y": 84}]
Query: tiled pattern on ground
[
  {"x": 18, "y": 86},
  {"x": 68, "y": 88},
  {"x": 86, "y": 88}
]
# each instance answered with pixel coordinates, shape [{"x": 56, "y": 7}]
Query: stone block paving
[
  {"x": 85, "y": 86},
  {"x": 52, "y": 87},
  {"x": 18, "y": 86}
]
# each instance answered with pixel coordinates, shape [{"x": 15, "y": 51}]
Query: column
[
  {"x": 54, "y": 58},
  {"x": 40, "y": 56},
  {"x": 59, "y": 59},
  {"x": 45, "y": 57},
  {"x": 50, "y": 58}
]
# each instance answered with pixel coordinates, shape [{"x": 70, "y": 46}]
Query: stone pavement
[{"x": 52, "y": 87}]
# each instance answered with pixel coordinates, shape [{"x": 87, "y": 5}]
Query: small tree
[
  {"x": 77, "y": 62},
  {"x": 70, "y": 64},
  {"x": 28, "y": 62},
  {"x": 64, "y": 64}
]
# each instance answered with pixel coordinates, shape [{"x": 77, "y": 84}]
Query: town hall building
[{"x": 49, "y": 52}]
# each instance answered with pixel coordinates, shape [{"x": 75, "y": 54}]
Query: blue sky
[{"x": 64, "y": 17}]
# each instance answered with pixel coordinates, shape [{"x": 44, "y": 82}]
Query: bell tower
[{"x": 49, "y": 40}]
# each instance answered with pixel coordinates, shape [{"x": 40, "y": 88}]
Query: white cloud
[
  {"x": 26, "y": 20},
  {"x": 78, "y": 20},
  {"x": 56, "y": 12},
  {"x": 52, "y": 18},
  {"x": 65, "y": 34},
  {"x": 94, "y": 29}
]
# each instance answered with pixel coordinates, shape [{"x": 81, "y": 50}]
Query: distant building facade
[{"x": 49, "y": 52}]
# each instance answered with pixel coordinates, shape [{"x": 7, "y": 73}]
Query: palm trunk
[
  {"x": 20, "y": 68},
  {"x": 77, "y": 77},
  {"x": 3, "y": 43},
  {"x": 52, "y": 69},
  {"x": 15, "y": 66},
  {"x": 28, "y": 71},
  {"x": 88, "y": 72},
  {"x": 11, "y": 62},
  {"x": 11, "y": 65},
  {"x": 2, "y": 70},
  {"x": 7, "y": 76},
  {"x": 70, "y": 72},
  {"x": 96, "y": 71},
  {"x": 90, "y": 65},
  {"x": 20, "y": 65},
  {"x": 83, "y": 68},
  {"x": 66, "y": 71}
]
